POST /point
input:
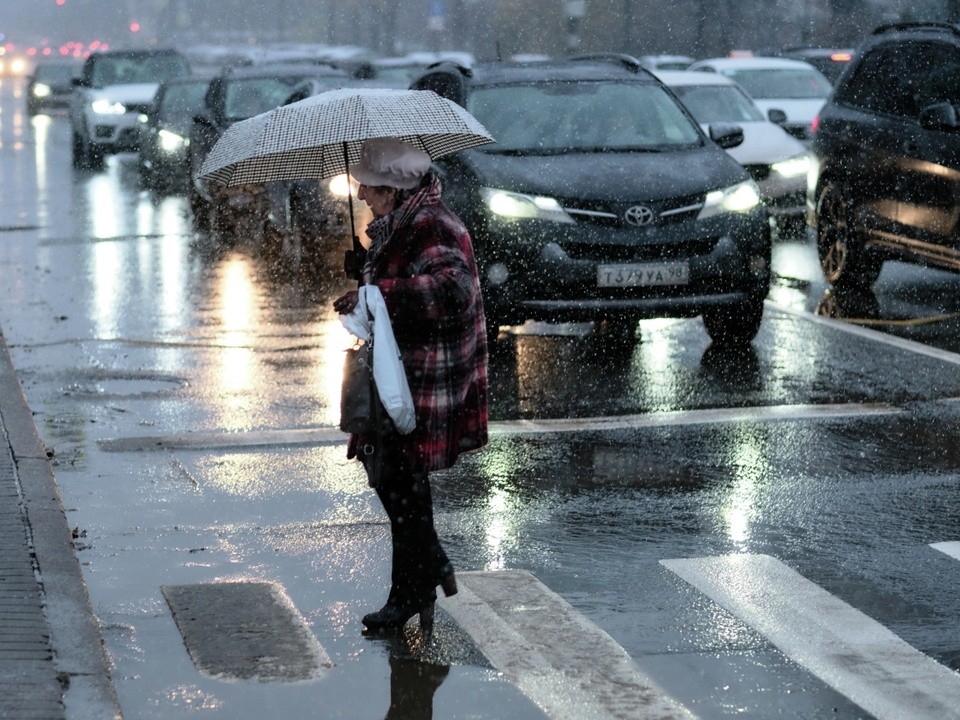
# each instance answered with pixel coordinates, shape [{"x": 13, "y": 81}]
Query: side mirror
[
  {"x": 725, "y": 135},
  {"x": 941, "y": 116},
  {"x": 778, "y": 117}
]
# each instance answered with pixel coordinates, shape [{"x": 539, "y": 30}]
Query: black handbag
[{"x": 359, "y": 400}]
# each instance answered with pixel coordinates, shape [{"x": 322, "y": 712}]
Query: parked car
[
  {"x": 237, "y": 94},
  {"x": 830, "y": 61},
  {"x": 164, "y": 141},
  {"x": 776, "y": 160},
  {"x": 603, "y": 200},
  {"x": 51, "y": 85},
  {"x": 114, "y": 88},
  {"x": 665, "y": 62},
  {"x": 886, "y": 181},
  {"x": 789, "y": 92}
]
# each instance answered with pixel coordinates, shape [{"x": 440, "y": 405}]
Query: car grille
[
  {"x": 624, "y": 252},
  {"x": 758, "y": 172},
  {"x": 142, "y": 108},
  {"x": 613, "y": 214}
]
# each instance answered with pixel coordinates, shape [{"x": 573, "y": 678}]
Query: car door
[
  {"x": 875, "y": 111},
  {"x": 928, "y": 206}
]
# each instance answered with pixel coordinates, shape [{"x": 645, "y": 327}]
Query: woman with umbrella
[{"x": 421, "y": 259}]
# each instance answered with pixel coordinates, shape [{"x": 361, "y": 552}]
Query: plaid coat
[{"x": 425, "y": 268}]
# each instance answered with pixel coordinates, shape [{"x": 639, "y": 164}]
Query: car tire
[
  {"x": 81, "y": 159},
  {"x": 844, "y": 260},
  {"x": 734, "y": 324}
]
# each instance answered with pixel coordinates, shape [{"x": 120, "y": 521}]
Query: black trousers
[{"x": 417, "y": 554}]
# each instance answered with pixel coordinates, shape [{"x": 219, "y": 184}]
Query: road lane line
[
  {"x": 837, "y": 643},
  {"x": 951, "y": 548},
  {"x": 333, "y": 436},
  {"x": 565, "y": 664},
  {"x": 875, "y": 335}
]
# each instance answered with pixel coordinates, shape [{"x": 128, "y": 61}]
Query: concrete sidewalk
[{"x": 52, "y": 661}]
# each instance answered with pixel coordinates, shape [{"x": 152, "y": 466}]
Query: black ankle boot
[{"x": 394, "y": 617}]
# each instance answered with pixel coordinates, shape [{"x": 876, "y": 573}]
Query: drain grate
[{"x": 245, "y": 631}]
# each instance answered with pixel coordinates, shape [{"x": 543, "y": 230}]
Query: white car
[
  {"x": 795, "y": 88},
  {"x": 777, "y": 161},
  {"x": 114, "y": 88}
]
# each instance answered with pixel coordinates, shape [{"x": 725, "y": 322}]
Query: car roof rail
[
  {"x": 628, "y": 61},
  {"x": 907, "y": 25}
]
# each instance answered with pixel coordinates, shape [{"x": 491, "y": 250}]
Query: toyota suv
[
  {"x": 113, "y": 89},
  {"x": 603, "y": 199},
  {"x": 886, "y": 180}
]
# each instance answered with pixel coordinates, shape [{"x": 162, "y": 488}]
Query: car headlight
[
  {"x": 339, "y": 186},
  {"x": 740, "y": 198},
  {"x": 792, "y": 167},
  {"x": 41, "y": 90},
  {"x": 516, "y": 206},
  {"x": 171, "y": 142},
  {"x": 107, "y": 107}
]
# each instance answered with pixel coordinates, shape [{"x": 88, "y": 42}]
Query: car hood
[
  {"x": 798, "y": 111},
  {"x": 764, "y": 144},
  {"x": 608, "y": 175},
  {"x": 140, "y": 93}
]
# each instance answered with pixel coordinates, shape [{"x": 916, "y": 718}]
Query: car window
[
  {"x": 789, "y": 83},
  {"x": 585, "y": 116},
  {"x": 900, "y": 79},
  {"x": 718, "y": 103},
  {"x": 247, "y": 97},
  {"x": 182, "y": 100},
  {"x": 56, "y": 73},
  {"x": 109, "y": 70}
]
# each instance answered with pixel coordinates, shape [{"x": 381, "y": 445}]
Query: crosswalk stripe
[
  {"x": 951, "y": 548},
  {"x": 837, "y": 643},
  {"x": 565, "y": 664}
]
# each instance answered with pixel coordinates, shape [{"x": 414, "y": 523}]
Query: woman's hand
[{"x": 346, "y": 302}]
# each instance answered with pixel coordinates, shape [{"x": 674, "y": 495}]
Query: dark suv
[
  {"x": 602, "y": 199},
  {"x": 886, "y": 181}
]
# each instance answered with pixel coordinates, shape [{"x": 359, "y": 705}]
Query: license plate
[{"x": 643, "y": 274}]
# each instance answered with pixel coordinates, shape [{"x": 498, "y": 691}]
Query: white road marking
[
  {"x": 951, "y": 548},
  {"x": 565, "y": 664},
  {"x": 875, "y": 335},
  {"x": 847, "y": 650},
  {"x": 333, "y": 436}
]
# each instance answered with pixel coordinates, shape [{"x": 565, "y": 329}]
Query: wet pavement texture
[{"x": 123, "y": 323}]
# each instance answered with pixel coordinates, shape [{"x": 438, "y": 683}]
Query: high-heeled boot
[{"x": 394, "y": 617}]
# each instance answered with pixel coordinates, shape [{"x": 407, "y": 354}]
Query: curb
[{"x": 75, "y": 635}]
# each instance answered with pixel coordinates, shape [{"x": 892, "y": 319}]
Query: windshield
[
  {"x": 549, "y": 117},
  {"x": 718, "y": 103},
  {"x": 247, "y": 97},
  {"x": 182, "y": 100},
  {"x": 790, "y": 83},
  {"x": 122, "y": 70},
  {"x": 57, "y": 73}
]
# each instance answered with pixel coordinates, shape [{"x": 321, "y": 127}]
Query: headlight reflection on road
[
  {"x": 238, "y": 318},
  {"x": 748, "y": 457}
]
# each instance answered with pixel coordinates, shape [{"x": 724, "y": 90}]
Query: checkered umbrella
[{"x": 318, "y": 137}]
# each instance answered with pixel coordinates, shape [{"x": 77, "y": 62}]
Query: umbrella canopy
[{"x": 319, "y": 136}]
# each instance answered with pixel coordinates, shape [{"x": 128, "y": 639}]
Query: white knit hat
[{"x": 390, "y": 162}]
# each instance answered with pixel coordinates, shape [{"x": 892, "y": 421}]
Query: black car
[
  {"x": 237, "y": 94},
  {"x": 165, "y": 133},
  {"x": 886, "y": 178},
  {"x": 51, "y": 85},
  {"x": 829, "y": 61},
  {"x": 603, "y": 200}
]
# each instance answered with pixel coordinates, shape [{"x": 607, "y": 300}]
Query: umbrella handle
[{"x": 355, "y": 258}]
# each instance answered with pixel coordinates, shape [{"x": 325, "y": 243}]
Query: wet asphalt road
[{"x": 124, "y": 323}]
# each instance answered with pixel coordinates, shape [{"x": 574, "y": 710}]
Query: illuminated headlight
[
  {"x": 740, "y": 198},
  {"x": 18, "y": 66},
  {"x": 41, "y": 90},
  {"x": 339, "y": 186},
  {"x": 171, "y": 142},
  {"x": 106, "y": 107},
  {"x": 516, "y": 206},
  {"x": 795, "y": 166}
]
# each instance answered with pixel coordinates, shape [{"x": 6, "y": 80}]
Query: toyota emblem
[{"x": 638, "y": 215}]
